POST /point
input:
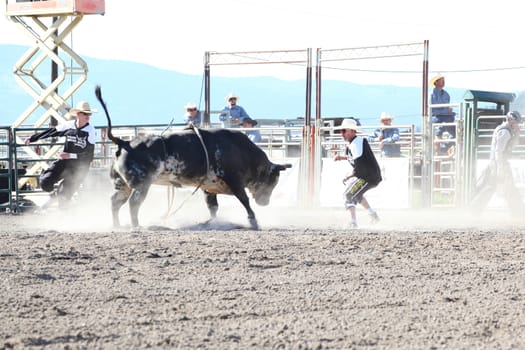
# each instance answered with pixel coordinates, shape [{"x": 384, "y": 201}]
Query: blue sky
[{"x": 475, "y": 44}]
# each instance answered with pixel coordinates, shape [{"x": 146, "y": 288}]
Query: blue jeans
[{"x": 444, "y": 118}]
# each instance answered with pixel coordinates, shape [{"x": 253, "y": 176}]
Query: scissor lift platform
[
  {"x": 48, "y": 23},
  {"x": 55, "y": 7}
]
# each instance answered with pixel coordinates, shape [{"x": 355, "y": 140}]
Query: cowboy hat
[
  {"x": 435, "y": 78},
  {"x": 249, "y": 120},
  {"x": 348, "y": 124},
  {"x": 83, "y": 107},
  {"x": 230, "y": 96},
  {"x": 385, "y": 116},
  {"x": 190, "y": 105}
]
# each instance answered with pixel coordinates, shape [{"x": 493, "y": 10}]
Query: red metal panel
[
  {"x": 90, "y": 6},
  {"x": 55, "y": 7}
]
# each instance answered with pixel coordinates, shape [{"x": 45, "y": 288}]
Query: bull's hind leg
[
  {"x": 138, "y": 195},
  {"x": 211, "y": 202},
  {"x": 117, "y": 201}
]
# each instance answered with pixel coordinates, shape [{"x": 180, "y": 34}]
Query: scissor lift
[{"x": 47, "y": 39}]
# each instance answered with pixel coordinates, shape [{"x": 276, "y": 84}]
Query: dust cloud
[{"x": 91, "y": 212}]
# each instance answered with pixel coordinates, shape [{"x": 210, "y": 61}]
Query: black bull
[{"x": 220, "y": 161}]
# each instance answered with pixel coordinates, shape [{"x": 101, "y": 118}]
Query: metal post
[
  {"x": 308, "y": 112},
  {"x": 424, "y": 109},
  {"x": 318, "y": 85},
  {"x": 12, "y": 165},
  {"x": 16, "y": 185},
  {"x": 427, "y": 137},
  {"x": 54, "y": 75},
  {"x": 310, "y": 141},
  {"x": 411, "y": 168},
  {"x": 206, "y": 120},
  {"x": 317, "y": 158}
]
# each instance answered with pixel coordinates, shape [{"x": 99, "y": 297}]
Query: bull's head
[{"x": 264, "y": 187}]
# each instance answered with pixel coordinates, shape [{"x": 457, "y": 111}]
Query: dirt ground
[{"x": 418, "y": 280}]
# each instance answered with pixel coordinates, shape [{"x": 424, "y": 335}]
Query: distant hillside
[{"x": 141, "y": 94}]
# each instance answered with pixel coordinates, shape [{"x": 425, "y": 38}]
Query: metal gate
[
  {"x": 443, "y": 178},
  {"x": 6, "y": 166}
]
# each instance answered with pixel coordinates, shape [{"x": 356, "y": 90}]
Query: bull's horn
[{"x": 281, "y": 167}]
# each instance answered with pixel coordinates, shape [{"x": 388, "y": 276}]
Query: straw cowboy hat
[
  {"x": 385, "y": 116},
  {"x": 83, "y": 107},
  {"x": 249, "y": 120},
  {"x": 348, "y": 124},
  {"x": 435, "y": 78},
  {"x": 190, "y": 105},
  {"x": 230, "y": 96}
]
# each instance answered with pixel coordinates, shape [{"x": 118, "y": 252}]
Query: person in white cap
[
  {"x": 387, "y": 137},
  {"x": 192, "y": 114},
  {"x": 498, "y": 173},
  {"x": 232, "y": 114},
  {"x": 75, "y": 159},
  {"x": 366, "y": 172}
]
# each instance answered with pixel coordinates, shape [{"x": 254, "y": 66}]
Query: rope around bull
[
  {"x": 171, "y": 194},
  {"x": 125, "y": 144}
]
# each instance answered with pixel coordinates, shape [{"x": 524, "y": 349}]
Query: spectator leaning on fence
[
  {"x": 387, "y": 137},
  {"x": 232, "y": 114},
  {"x": 253, "y": 135},
  {"x": 192, "y": 115}
]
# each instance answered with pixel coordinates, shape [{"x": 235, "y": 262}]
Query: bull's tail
[{"x": 117, "y": 140}]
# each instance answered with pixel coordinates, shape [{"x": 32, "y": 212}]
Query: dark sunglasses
[{"x": 191, "y": 109}]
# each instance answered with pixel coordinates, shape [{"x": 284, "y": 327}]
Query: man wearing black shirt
[
  {"x": 73, "y": 163},
  {"x": 366, "y": 172}
]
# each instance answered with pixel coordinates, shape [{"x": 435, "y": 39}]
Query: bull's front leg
[
  {"x": 211, "y": 202},
  {"x": 241, "y": 195},
  {"x": 135, "y": 201}
]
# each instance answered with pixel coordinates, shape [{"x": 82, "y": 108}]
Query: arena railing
[
  {"x": 485, "y": 137},
  {"x": 410, "y": 143},
  {"x": 25, "y": 182},
  {"x": 6, "y": 176},
  {"x": 279, "y": 142},
  {"x": 443, "y": 155}
]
